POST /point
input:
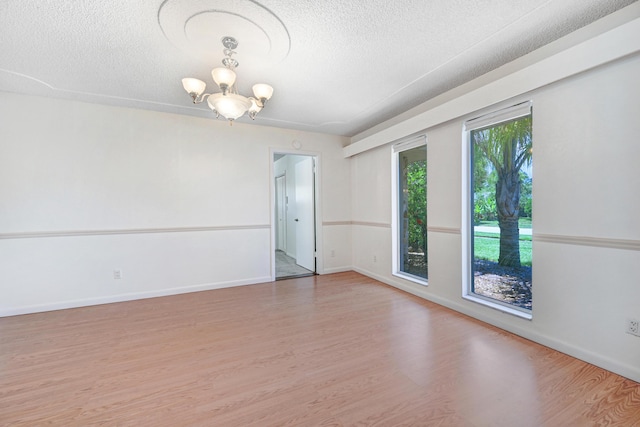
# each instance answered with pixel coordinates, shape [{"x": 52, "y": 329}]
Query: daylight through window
[
  {"x": 501, "y": 182},
  {"x": 412, "y": 212}
]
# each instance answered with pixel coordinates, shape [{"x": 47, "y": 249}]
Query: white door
[
  {"x": 281, "y": 216},
  {"x": 305, "y": 218}
]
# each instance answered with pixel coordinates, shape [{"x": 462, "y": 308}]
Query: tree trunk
[{"x": 507, "y": 201}]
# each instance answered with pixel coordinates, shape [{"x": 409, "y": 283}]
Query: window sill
[
  {"x": 501, "y": 307},
  {"x": 411, "y": 278}
]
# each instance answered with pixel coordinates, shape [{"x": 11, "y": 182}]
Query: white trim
[
  {"x": 411, "y": 278},
  {"x": 395, "y": 247},
  {"x": 286, "y": 203},
  {"x": 466, "y": 228},
  {"x": 598, "y": 242},
  {"x": 542, "y": 67},
  {"x": 451, "y": 230},
  {"x": 491, "y": 118},
  {"x": 396, "y": 150},
  {"x": 503, "y": 307},
  {"x": 76, "y": 233},
  {"x": 334, "y": 223},
  {"x": 28, "y": 309},
  {"x": 409, "y": 143},
  {"x": 497, "y": 116},
  {"x": 342, "y": 269},
  {"x": 317, "y": 156},
  {"x": 371, "y": 224},
  {"x": 448, "y": 230}
]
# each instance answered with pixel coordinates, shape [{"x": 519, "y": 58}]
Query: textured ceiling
[{"x": 337, "y": 67}]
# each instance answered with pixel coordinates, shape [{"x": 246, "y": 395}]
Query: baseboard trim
[
  {"x": 625, "y": 370},
  {"x": 63, "y": 305},
  {"x": 337, "y": 269}
]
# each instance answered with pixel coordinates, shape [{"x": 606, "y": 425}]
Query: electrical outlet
[
  {"x": 117, "y": 274},
  {"x": 633, "y": 327},
  {"x": 333, "y": 253},
  {"x": 375, "y": 258}
]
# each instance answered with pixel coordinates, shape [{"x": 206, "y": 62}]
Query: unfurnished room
[{"x": 320, "y": 213}]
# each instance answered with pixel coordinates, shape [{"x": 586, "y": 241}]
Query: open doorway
[{"x": 295, "y": 215}]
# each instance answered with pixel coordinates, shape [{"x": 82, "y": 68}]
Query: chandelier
[{"x": 228, "y": 103}]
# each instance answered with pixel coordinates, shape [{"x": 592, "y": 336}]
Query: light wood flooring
[{"x": 336, "y": 350}]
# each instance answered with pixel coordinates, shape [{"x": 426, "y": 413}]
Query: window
[
  {"x": 410, "y": 210},
  {"x": 500, "y": 246}
]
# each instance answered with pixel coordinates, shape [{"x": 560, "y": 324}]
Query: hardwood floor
[{"x": 332, "y": 350}]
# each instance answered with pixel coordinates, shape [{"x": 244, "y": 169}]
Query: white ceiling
[{"x": 337, "y": 67}]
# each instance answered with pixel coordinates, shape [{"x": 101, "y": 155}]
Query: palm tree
[{"x": 508, "y": 147}]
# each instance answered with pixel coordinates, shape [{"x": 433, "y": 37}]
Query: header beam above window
[
  {"x": 495, "y": 117},
  {"x": 409, "y": 143}
]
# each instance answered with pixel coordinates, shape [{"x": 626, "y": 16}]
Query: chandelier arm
[{"x": 200, "y": 99}]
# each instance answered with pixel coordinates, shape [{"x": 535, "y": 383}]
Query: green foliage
[
  {"x": 417, "y": 204},
  {"x": 484, "y": 208},
  {"x": 481, "y": 169},
  {"x": 525, "y": 195},
  {"x": 506, "y": 146}
]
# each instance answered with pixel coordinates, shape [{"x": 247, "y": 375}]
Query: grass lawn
[
  {"x": 487, "y": 246},
  {"x": 522, "y": 223}
]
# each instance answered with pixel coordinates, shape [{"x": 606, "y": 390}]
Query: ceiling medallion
[
  {"x": 195, "y": 25},
  {"x": 228, "y": 103}
]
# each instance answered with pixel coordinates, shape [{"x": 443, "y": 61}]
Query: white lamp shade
[
  {"x": 193, "y": 85},
  {"x": 230, "y": 106},
  {"x": 262, "y": 91},
  {"x": 223, "y": 76},
  {"x": 254, "y": 106}
]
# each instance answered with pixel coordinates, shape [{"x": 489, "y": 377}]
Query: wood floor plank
[{"x": 335, "y": 350}]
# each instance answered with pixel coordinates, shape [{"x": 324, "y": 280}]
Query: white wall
[
  {"x": 182, "y": 204},
  {"x": 177, "y": 203},
  {"x": 586, "y": 246}
]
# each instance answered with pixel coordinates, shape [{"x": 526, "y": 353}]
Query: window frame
[
  {"x": 492, "y": 118},
  {"x": 396, "y": 150}
]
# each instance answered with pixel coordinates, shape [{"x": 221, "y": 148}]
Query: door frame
[
  {"x": 317, "y": 201},
  {"x": 284, "y": 226}
]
